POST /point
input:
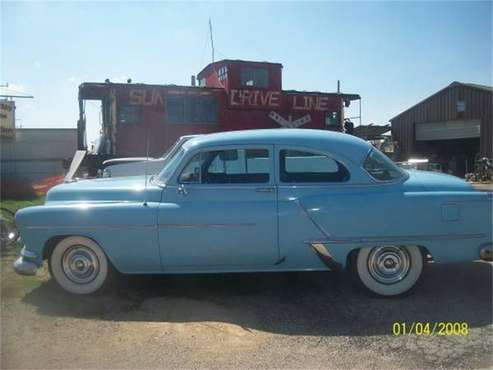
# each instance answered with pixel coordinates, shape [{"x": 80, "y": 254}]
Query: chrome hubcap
[
  {"x": 389, "y": 265},
  {"x": 80, "y": 264}
]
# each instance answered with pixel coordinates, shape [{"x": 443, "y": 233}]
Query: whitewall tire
[
  {"x": 79, "y": 265},
  {"x": 389, "y": 270}
]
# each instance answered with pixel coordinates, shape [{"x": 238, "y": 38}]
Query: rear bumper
[{"x": 25, "y": 264}]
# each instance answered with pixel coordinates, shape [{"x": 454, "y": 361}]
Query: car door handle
[{"x": 268, "y": 189}]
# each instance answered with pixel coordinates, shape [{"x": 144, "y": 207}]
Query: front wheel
[
  {"x": 389, "y": 270},
  {"x": 79, "y": 265}
]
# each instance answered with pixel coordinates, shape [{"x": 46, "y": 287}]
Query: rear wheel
[
  {"x": 79, "y": 265},
  {"x": 389, "y": 270}
]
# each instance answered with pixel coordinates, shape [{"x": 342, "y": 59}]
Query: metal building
[
  {"x": 34, "y": 154},
  {"x": 451, "y": 127}
]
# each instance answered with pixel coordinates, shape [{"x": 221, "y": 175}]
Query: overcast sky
[{"x": 391, "y": 53}]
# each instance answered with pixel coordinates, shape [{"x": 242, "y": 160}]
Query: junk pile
[{"x": 483, "y": 171}]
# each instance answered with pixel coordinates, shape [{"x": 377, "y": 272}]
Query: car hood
[
  {"x": 122, "y": 189},
  {"x": 135, "y": 168},
  {"x": 435, "y": 181}
]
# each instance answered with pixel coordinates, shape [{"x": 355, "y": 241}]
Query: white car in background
[
  {"x": 135, "y": 166},
  {"x": 420, "y": 164}
]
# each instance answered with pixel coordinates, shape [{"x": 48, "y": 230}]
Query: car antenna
[{"x": 145, "y": 169}]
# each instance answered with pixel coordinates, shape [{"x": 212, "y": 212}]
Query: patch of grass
[
  {"x": 14, "y": 205},
  {"x": 13, "y": 285}
]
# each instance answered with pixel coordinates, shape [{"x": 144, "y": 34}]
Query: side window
[
  {"x": 381, "y": 167},
  {"x": 254, "y": 77},
  {"x": 191, "y": 173},
  {"x": 203, "y": 109},
  {"x": 237, "y": 166},
  {"x": 332, "y": 119},
  {"x": 194, "y": 108},
  {"x": 130, "y": 114},
  {"x": 175, "y": 107},
  {"x": 304, "y": 166}
]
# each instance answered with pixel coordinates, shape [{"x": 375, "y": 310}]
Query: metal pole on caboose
[{"x": 212, "y": 39}]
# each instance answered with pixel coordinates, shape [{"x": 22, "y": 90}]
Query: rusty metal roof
[
  {"x": 371, "y": 131},
  {"x": 453, "y": 84}
]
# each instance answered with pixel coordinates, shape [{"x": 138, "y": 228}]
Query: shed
[{"x": 452, "y": 127}]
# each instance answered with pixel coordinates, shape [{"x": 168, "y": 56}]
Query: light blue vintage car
[{"x": 260, "y": 200}]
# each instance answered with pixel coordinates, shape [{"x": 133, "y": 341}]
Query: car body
[
  {"x": 259, "y": 200},
  {"x": 134, "y": 166}
]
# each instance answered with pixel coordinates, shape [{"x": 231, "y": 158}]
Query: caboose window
[
  {"x": 203, "y": 109},
  {"x": 191, "y": 109},
  {"x": 254, "y": 77},
  {"x": 130, "y": 114},
  {"x": 175, "y": 106},
  {"x": 332, "y": 119}
]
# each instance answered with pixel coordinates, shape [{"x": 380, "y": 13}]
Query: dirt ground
[
  {"x": 295, "y": 320},
  {"x": 483, "y": 187}
]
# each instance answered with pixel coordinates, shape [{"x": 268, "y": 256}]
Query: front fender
[{"x": 126, "y": 231}]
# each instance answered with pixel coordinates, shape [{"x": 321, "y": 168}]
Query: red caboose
[{"x": 231, "y": 95}]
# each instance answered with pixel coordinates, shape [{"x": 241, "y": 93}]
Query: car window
[
  {"x": 171, "y": 165},
  {"x": 305, "y": 166},
  {"x": 191, "y": 173},
  {"x": 381, "y": 167},
  {"x": 236, "y": 166}
]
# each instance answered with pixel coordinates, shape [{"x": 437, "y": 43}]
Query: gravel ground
[{"x": 295, "y": 320}]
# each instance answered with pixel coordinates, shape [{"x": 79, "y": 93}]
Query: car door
[
  {"x": 220, "y": 211},
  {"x": 313, "y": 196}
]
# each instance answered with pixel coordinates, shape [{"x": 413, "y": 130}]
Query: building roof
[
  {"x": 472, "y": 85},
  {"x": 453, "y": 84},
  {"x": 96, "y": 90},
  {"x": 350, "y": 97}
]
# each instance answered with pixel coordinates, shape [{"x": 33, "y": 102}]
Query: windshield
[
  {"x": 171, "y": 151},
  {"x": 171, "y": 165},
  {"x": 381, "y": 167}
]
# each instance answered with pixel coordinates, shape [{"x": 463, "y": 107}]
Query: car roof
[{"x": 334, "y": 142}]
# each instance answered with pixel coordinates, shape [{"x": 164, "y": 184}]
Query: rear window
[{"x": 381, "y": 167}]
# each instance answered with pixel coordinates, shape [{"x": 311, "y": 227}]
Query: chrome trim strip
[
  {"x": 91, "y": 227},
  {"x": 207, "y": 225},
  {"x": 322, "y": 252},
  {"x": 251, "y": 186},
  {"x": 395, "y": 238}
]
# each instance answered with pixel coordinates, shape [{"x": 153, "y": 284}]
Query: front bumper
[
  {"x": 486, "y": 253},
  {"x": 25, "y": 264}
]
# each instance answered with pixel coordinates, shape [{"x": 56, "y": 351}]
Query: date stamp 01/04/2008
[{"x": 446, "y": 328}]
